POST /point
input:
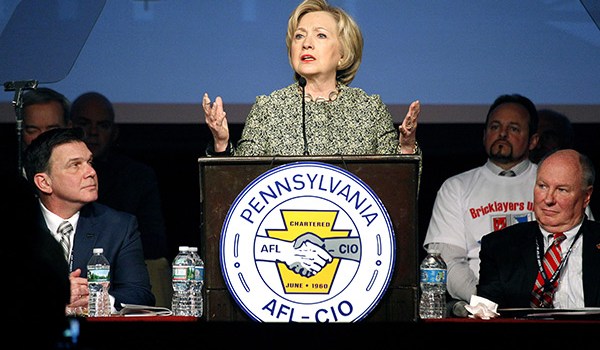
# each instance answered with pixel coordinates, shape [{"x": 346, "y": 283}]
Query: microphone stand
[
  {"x": 18, "y": 87},
  {"x": 302, "y": 83}
]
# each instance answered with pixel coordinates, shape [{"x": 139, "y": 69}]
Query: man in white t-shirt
[{"x": 478, "y": 201}]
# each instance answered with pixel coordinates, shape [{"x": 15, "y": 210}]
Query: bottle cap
[
  {"x": 98, "y": 250},
  {"x": 184, "y": 248}
]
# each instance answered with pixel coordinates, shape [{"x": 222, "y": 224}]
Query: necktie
[
  {"x": 543, "y": 289},
  {"x": 508, "y": 173},
  {"x": 65, "y": 229}
]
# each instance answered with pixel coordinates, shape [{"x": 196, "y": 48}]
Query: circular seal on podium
[{"x": 307, "y": 242}]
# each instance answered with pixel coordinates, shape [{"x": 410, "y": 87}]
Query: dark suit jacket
[
  {"x": 508, "y": 264},
  {"x": 117, "y": 232}
]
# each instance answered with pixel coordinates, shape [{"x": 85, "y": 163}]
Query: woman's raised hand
[{"x": 216, "y": 119}]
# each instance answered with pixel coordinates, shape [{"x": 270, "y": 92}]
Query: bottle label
[
  {"x": 98, "y": 275},
  {"x": 199, "y": 273},
  {"x": 191, "y": 273},
  {"x": 433, "y": 276},
  {"x": 183, "y": 273}
]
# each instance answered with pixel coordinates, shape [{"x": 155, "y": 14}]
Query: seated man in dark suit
[
  {"x": 513, "y": 264},
  {"x": 59, "y": 164}
]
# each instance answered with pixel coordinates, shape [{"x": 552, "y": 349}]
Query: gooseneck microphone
[{"x": 302, "y": 83}]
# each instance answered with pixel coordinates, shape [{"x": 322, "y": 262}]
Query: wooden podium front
[{"x": 394, "y": 178}]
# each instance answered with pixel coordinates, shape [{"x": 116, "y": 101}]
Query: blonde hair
[{"x": 349, "y": 35}]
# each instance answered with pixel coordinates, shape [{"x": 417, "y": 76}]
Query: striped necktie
[
  {"x": 65, "y": 229},
  {"x": 544, "y": 288}
]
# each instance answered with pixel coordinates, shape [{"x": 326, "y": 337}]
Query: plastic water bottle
[
  {"x": 183, "y": 273},
  {"x": 98, "y": 276},
  {"x": 433, "y": 286},
  {"x": 198, "y": 283}
]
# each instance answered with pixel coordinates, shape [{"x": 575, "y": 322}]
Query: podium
[{"x": 393, "y": 178}]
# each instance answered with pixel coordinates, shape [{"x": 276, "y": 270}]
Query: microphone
[{"x": 302, "y": 83}]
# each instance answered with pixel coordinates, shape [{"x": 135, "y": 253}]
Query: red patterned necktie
[{"x": 543, "y": 289}]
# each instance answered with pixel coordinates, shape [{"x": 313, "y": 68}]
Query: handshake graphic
[{"x": 308, "y": 253}]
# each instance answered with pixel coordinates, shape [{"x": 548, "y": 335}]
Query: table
[
  {"x": 121, "y": 318},
  {"x": 167, "y": 332}
]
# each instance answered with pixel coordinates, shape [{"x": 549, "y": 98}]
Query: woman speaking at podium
[{"x": 319, "y": 113}]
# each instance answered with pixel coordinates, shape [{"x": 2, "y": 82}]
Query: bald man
[{"x": 512, "y": 258}]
